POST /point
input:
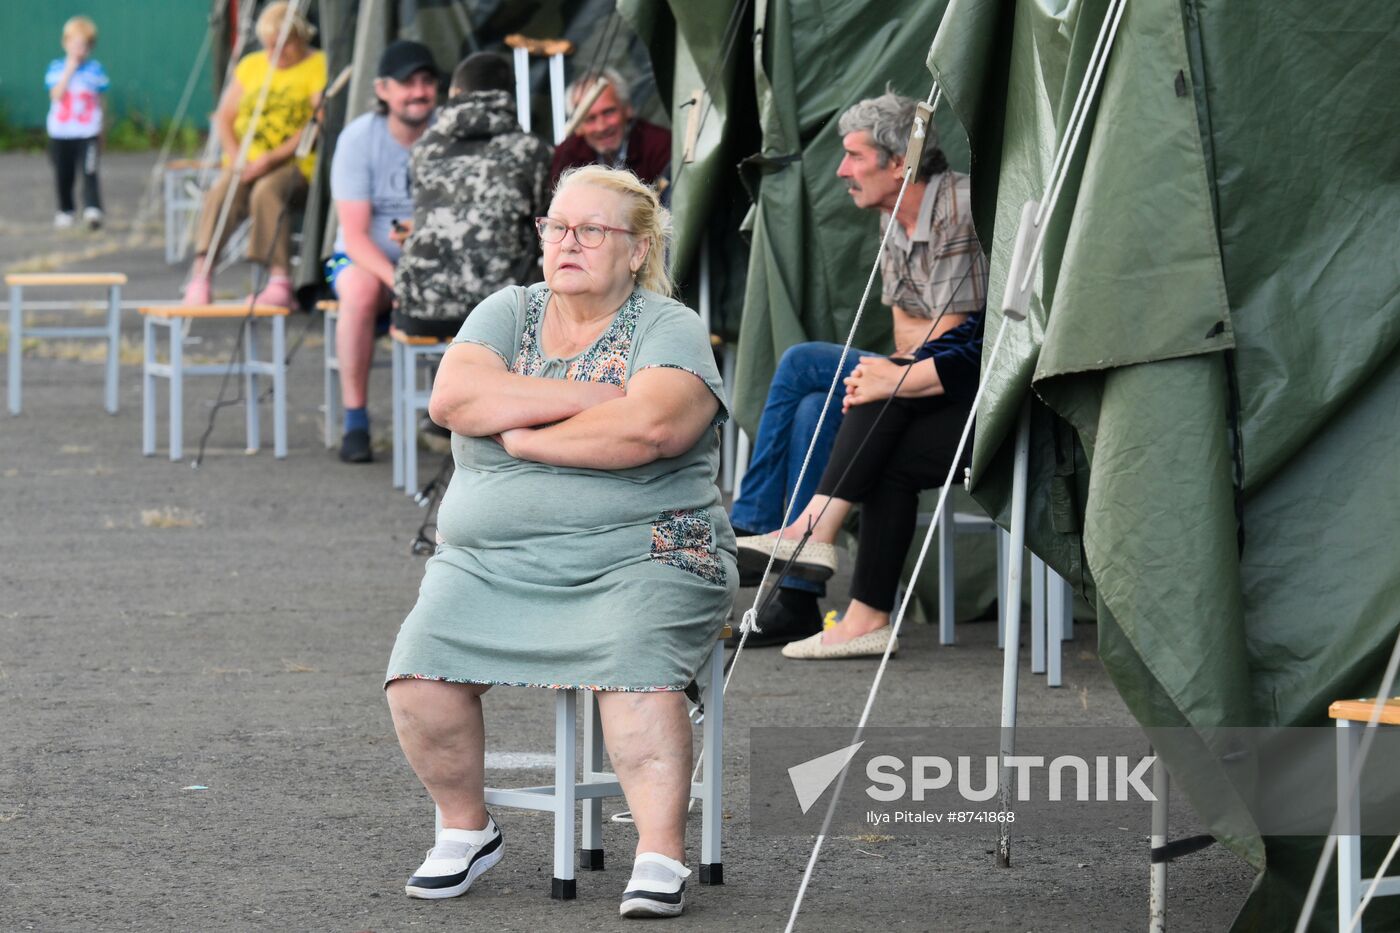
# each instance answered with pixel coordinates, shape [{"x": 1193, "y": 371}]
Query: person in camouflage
[{"x": 479, "y": 181}]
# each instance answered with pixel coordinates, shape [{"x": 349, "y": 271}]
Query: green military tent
[{"x": 1210, "y": 362}]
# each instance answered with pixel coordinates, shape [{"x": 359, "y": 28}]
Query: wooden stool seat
[
  {"x": 174, "y": 369},
  {"x": 32, "y": 279},
  {"x": 328, "y": 306},
  {"x": 110, "y": 331},
  {"x": 1362, "y": 710},
  {"x": 415, "y": 340},
  {"x": 213, "y": 311}
]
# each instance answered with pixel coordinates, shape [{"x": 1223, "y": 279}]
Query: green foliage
[
  {"x": 18, "y": 138},
  {"x": 134, "y": 132}
]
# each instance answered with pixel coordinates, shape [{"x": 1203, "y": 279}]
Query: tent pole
[
  {"x": 1011, "y": 657},
  {"x": 1015, "y": 305},
  {"x": 522, "y": 86},
  {"x": 1157, "y": 890}
]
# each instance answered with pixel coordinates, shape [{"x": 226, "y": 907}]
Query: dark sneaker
[
  {"x": 657, "y": 887},
  {"x": 791, "y": 615},
  {"x": 459, "y": 858},
  {"x": 354, "y": 447}
]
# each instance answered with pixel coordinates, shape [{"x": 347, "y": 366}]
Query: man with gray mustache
[{"x": 932, "y": 264}]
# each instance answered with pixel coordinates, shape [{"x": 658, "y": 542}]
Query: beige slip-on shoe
[
  {"x": 816, "y": 563},
  {"x": 871, "y": 644}
]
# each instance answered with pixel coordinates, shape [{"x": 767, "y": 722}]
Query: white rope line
[
  {"x": 1368, "y": 735},
  {"x": 1091, "y": 83},
  {"x": 749, "y": 623},
  {"x": 895, "y": 625},
  {"x": 1064, "y": 146},
  {"x": 148, "y": 199},
  {"x": 1375, "y": 883},
  {"x": 209, "y": 157},
  {"x": 246, "y": 143}
]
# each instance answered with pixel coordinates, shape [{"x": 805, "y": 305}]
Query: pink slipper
[
  {"x": 197, "y": 292},
  {"x": 278, "y": 292}
]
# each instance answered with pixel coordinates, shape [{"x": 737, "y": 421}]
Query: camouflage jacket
[{"x": 478, "y": 183}]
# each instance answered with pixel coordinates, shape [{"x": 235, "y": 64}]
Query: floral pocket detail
[{"x": 685, "y": 539}]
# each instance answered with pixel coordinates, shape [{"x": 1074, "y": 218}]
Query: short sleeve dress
[{"x": 568, "y": 577}]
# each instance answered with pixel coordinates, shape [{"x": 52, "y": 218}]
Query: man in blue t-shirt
[{"x": 370, "y": 186}]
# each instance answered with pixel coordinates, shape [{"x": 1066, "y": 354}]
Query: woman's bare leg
[
  {"x": 857, "y": 621},
  {"x": 648, "y": 740},
  {"x": 825, "y": 525},
  {"x": 442, "y": 735}
]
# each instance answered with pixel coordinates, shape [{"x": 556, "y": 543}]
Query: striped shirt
[{"x": 924, "y": 273}]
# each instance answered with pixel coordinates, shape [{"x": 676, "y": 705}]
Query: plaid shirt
[{"x": 923, "y": 273}]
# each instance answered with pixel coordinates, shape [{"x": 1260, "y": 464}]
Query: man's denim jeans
[{"x": 790, "y": 416}]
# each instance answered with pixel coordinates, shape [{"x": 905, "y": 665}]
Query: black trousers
[
  {"x": 907, "y": 450},
  {"x": 70, "y": 156}
]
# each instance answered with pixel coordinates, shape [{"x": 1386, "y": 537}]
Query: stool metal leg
[
  {"x": 250, "y": 384},
  {"x": 177, "y": 389},
  {"x": 564, "y": 887},
  {"x": 396, "y": 354},
  {"x": 590, "y": 856},
  {"x": 1348, "y": 824},
  {"x": 412, "y": 358},
  {"x": 279, "y": 387},
  {"x": 330, "y": 377},
  {"x": 16, "y": 345},
  {"x": 114, "y": 344},
  {"x": 1038, "y": 638},
  {"x": 1060, "y": 599},
  {"x": 946, "y": 592},
  {"x": 1003, "y": 597},
  {"x": 711, "y": 814},
  {"x": 148, "y": 388}
]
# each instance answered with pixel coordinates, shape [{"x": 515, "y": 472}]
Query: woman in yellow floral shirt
[{"x": 272, "y": 180}]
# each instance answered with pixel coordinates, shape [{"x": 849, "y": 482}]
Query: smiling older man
[
  {"x": 613, "y": 135},
  {"x": 370, "y": 186}
]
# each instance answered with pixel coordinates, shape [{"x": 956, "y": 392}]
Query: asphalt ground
[{"x": 193, "y": 734}]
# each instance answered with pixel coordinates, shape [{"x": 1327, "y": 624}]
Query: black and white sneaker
[
  {"x": 459, "y": 858},
  {"x": 657, "y": 887}
]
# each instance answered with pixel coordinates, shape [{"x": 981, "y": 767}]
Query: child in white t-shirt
[{"x": 76, "y": 83}]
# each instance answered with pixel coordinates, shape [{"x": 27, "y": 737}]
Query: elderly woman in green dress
[{"x": 585, "y": 544}]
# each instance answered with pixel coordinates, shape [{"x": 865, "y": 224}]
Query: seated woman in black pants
[{"x": 907, "y": 449}]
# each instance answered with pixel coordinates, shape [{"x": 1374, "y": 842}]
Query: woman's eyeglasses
[{"x": 589, "y": 236}]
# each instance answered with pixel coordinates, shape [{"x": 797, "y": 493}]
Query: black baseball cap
[{"x": 403, "y": 58}]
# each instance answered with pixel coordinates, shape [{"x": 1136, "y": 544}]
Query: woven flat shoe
[
  {"x": 871, "y": 644},
  {"x": 816, "y": 563}
]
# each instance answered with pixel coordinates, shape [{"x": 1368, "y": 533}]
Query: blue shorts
[{"x": 334, "y": 266}]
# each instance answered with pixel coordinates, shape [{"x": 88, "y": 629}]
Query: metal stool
[
  {"x": 1351, "y": 717},
  {"x": 563, "y": 796},
  {"x": 111, "y": 331},
  {"x": 409, "y": 399},
  {"x": 172, "y": 318}
]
